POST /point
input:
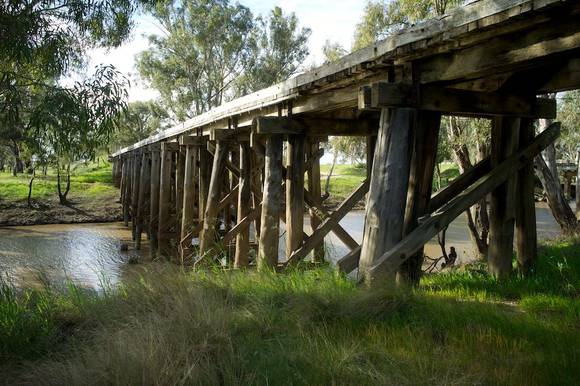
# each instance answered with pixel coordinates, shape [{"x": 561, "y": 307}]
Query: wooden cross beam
[
  {"x": 328, "y": 224},
  {"x": 229, "y": 197},
  {"x": 314, "y": 127},
  {"x": 240, "y": 134},
  {"x": 390, "y": 261},
  {"x": 459, "y": 102}
]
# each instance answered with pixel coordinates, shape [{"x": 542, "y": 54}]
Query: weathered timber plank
[
  {"x": 228, "y": 198},
  {"x": 319, "y": 213},
  {"x": 243, "y": 224},
  {"x": 205, "y": 163},
  {"x": 349, "y": 262},
  {"x": 328, "y": 224},
  {"x": 460, "y": 102},
  {"x": 568, "y": 78},
  {"x": 179, "y": 185},
  {"x": 390, "y": 261},
  {"x": 314, "y": 127},
  {"x": 501, "y": 54}
]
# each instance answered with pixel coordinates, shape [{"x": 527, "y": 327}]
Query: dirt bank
[{"x": 79, "y": 210}]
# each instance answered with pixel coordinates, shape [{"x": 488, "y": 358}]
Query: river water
[{"x": 90, "y": 254}]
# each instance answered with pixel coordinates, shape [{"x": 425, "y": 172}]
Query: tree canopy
[{"x": 212, "y": 51}]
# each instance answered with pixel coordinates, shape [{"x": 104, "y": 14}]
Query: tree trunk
[
  {"x": 556, "y": 200},
  {"x": 477, "y": 217},
  {"x": 547, "y": 172},
  {"x": 29, "y": 199},
  {"x": 18, "y": 164},
  {"x": 328, "y": 176},
  {"x": 62, "y": 195}
]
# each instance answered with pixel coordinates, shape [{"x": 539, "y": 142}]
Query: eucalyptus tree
[
  {"x": 74, "y": 122},
  {"x": 281, "y": 47},
  {"x": 42, "y": 41},
  {"x": 142, "y": 119},
  {"x": 211, "y": 51}
]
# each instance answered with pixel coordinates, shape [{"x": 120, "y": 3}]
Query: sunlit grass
[
  {"x": 304, "y": 327},
  {"x": 86, "y": 181},
  {"x": 346, "y": 178}
]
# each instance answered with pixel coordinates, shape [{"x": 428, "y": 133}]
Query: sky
[{"x": 328, "y": 19}]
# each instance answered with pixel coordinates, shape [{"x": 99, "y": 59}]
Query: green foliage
[
  {"x": 213, "y": 50},
  {"x": 75, "y": 122},
  {"x": 332, "y": 51},
  {"x": 281, "y": 47},
  {"x": 168, "y": 326},
  {"x": 569, "y": 115},
  {"x": 42, "y": 40},
  {"x": 141, "y": 120}
]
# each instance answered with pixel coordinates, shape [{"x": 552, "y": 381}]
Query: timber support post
[
  {"x": 209, "y": 231},
  {"x": 241, "y": 258},
  {"x": 423, "y": 159},
  {"x": 154, "y": 150},
  {"x": 190, "y": 174},
  {"x": 166, "y": 217},
  {"x": 526, "y": 240},
  {"x": 271, "y": 204},
  {"x": 144, "y": 189},
  {"x": 314, "y": 189},
  {"x": 504, "y": 142},
  {"x": 388, "y": 187},
  {"x": 136, "y": 176},
  {"x": 294, "y": 193}
]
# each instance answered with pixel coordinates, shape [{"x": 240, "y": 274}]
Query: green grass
[
  {"x": 346, "y": 178},
  {"x": 87, "y": 181},
  {"x": 304, "y": 328}
]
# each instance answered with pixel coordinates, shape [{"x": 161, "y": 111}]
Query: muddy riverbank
[{"x": 79, "y": 210}]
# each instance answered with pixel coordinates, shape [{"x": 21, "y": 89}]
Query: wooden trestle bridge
[{"x": 229, "y": 176}]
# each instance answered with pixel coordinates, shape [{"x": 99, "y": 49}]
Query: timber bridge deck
[{"x": 216, "y": 174}]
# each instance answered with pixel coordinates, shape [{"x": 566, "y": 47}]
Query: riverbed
[{"x": 90, "y": 254}]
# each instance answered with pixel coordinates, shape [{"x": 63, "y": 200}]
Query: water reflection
[{"x": 88, "y": 254}]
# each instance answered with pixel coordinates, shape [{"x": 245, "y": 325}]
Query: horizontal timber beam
[
  {"x": 505, "y": 53},
  {"x": 460, "y": 102},
  {"x": 314, "y": 127},
  {"x": 390, "y": 261}
]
